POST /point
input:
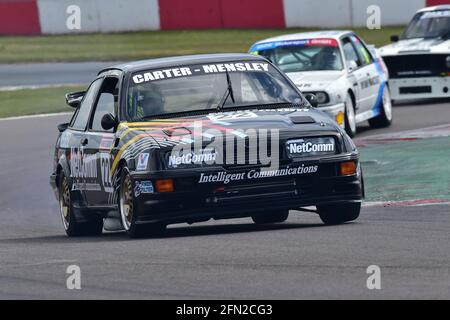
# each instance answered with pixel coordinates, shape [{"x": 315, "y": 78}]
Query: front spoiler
[{"x": 242, "y": 200}]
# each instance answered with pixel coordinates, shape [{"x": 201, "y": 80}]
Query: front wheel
[
  {"x": 350, "y": 118},
  {"x": 91, "y": 226},
  {"x": 271, "y": 217},
  {"x": 339, "y": 213},
  {"x": 128, "y": 212},
  {"x": 384, "y": 119}
]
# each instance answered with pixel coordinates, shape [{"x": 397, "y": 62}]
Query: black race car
[{"x": 187, "y": 139}]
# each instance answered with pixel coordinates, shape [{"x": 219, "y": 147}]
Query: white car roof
[
  {"x": 435, "y": 8},
  {"x": 334, "y": 34}
]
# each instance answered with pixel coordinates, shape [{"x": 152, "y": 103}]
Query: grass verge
[
  {"x": 34, "y": 101},
  {"x": 407, "y": 170},
  {"x": 142, "y": 45}
]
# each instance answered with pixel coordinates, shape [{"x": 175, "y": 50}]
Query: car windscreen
[
  {"x": 209, "y": 86},
  {"x": 304, "y": 55},
  {"x": 430, "y": 24}
]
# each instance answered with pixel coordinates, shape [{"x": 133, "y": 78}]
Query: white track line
[
  {"x": 44, "y": 115},
  {"x": 40, "y": 86}
]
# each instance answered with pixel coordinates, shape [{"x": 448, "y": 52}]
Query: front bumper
[
  {"x": 419, "y": 88},
  {"x": 336, "y": 112},
  {"x": 191, "y": 202}
]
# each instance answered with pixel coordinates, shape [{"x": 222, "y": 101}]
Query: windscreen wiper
[{"x": 228, "y": 93}]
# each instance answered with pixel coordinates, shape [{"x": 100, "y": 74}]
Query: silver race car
[
  {"x": 419, "y": 60},
  {"x": 347, "y": 77}
]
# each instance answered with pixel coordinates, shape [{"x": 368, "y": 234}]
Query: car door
[
  {"x": 80, "y": 163},
  {"x": 368, "y": 67},
  {"x": 100, "y": 141},
  {"x": 358, "y": 75}
]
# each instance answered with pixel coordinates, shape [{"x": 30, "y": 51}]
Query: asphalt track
[{"x": 299, "y": 259}]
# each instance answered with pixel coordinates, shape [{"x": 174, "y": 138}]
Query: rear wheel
[
  {"x": 271, "y": 217},
  {"x": 339, "y": 213},
  {"x": 385, "y": 117},
  {"x": 350, "y": 120},
  {"x": 128, "y": 212},
  {"x": 91, "y": 227}
]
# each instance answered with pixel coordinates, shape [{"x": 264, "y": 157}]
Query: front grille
[
  {"x": 414, "y": 65},
  {"x": 418, "y": 89}
]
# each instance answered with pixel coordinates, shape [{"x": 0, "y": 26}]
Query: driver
[
  {"x": 150, "y": 102},
  {"x": 325, "y": 59}
]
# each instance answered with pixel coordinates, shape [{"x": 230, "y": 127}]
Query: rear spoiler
[{"x": 74, "y": 99}]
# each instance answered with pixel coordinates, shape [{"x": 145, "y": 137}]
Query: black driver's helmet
[{"x": 150, "y": 101}]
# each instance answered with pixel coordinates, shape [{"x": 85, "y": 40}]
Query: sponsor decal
[
  {"x": 219, "y": 117},
  {"x": 294, "y": 43},
  {"x": 225, "y": 178},
  {"x": 83, "y": 168},
  {"x": 83, "y": 165},
  {"x": 206, "y": 156},
  {"x": 312, "y": 146},
  {"x": 105, "y": 164},
  {"x": 142, "y": 187},
  {"x": 142, "y": 161},
  {"x": 155, "y": 75},
  {"x": 435, "y": 14},
  {"x": 106, "y": 143}
]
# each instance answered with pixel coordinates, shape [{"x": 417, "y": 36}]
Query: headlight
[{"x": 322, "y": 97}]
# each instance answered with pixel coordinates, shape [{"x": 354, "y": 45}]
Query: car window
[
  {"x": 431, "y": 24},
  {"x": 108, "y": 98},
  {"x": 84, "y": 111},
  {"x": 350, "y": 52},
  {"x": 363, "y": 53},
  {"x": 306, "y": 55},
  {"x": 205, "y": 86}
]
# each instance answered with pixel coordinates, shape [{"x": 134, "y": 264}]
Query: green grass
[
  {"x": 34, "y": 101},
  {"x": 407, "y": 170},
  {"x": 141, "y": 45}
]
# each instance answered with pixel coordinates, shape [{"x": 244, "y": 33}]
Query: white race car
[
  {"x": 348, "y": 79},
  {"x": 419, "y": 60}
]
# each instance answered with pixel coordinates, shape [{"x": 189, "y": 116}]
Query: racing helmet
[
  {"x": 325, "y": 59},
  {"x": 150, "y": 101}
]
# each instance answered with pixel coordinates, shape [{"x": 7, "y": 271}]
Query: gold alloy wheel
[
  {"x": 126, "y": 202},
  {"x": 64, "y": 203}
]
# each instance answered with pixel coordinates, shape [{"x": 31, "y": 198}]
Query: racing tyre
[
  {"x": 128, "y": 212},
  {"x": 385, "y": 117},
  {"x": 350, "y": 121},
  {"x": 271, "y": 217},
  {"x": 339, "y": 213},
  {"x": 91, "y": 227}
]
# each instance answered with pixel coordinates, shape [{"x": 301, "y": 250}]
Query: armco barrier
[
  {"x": 19, "y": 17},
  {"x": 100, "y": 15},
  {"x": 28, "y": 17},
  {"x": 202, "y": 14}
]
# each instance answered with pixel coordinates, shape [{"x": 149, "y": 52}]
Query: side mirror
[
  {"x": 62, "y": 127},
  {"x": 395, "y": 38},
  {"x": 312, "y": 99},
  {"x": 352, "y": 65},
  {"x": 108, "y": 121},
  {"x": 74, "y": 99}
]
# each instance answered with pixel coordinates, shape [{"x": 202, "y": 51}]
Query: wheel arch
[{"x": 352, "y": 96}]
